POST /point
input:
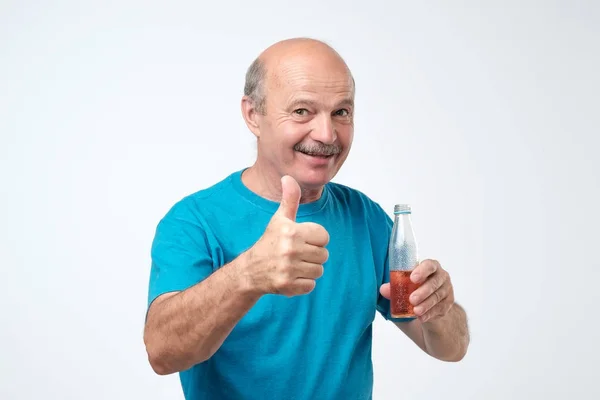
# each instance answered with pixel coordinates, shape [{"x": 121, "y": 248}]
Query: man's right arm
[{"x": 186, "y": 328}]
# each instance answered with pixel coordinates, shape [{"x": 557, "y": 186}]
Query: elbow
[
  {"x": 451, "y": 358},
  {"x": 459, "y": 355},
  {"x": 159, "y": 367},
  {"x": 156, "y": 357},
  {"x": 162, "y": 367},
  {"x": 164, "y": 362},
  {"x": 157, "y": 361},
  {"x": 456, "y": 355}
]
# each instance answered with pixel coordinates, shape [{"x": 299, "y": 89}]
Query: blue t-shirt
[{"x": 313, "y": 346}]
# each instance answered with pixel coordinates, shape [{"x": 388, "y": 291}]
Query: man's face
[{"x": 308, "y": 128}]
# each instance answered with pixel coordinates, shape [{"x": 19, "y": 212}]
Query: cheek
[
  {"x": 289, "y": 135},
  {"x": 279, "y": 141},
  {"x": 345, "y": 136}
]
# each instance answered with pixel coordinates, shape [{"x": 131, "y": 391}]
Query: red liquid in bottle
[{"x": 401, "y": 288}]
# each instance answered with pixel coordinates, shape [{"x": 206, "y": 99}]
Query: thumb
[
  {"x": 290, "y": 197},
  {"x": 385, "y": 291}
]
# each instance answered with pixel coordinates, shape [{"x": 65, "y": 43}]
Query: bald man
[{"x": 265, "y": 285}]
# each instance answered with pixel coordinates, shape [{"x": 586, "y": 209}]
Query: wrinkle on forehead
[{"x": 312, "y": 84}]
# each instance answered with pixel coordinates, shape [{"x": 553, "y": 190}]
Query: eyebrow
[
  {"x": 346, "y": 102},
  {"x": 300, "y": 101}
]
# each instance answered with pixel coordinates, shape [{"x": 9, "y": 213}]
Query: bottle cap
[{"x": 402, "y": 209}]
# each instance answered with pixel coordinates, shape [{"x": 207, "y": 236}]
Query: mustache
[{"x": 319, "y": 149}]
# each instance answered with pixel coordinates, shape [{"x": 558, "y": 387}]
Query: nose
[{"x": 323, "y": 130}]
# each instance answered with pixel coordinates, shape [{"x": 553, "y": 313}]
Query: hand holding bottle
[
  {"x": 416, "y": 289},
  {"x": 434, "y": 295}
]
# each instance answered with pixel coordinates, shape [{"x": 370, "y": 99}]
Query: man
[{"x": 266, "y": 284}]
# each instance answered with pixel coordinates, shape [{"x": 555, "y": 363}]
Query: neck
[{"x": 266, "y": 182}]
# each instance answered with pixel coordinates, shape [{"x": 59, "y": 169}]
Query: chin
[{"x": 315, "y": 179}]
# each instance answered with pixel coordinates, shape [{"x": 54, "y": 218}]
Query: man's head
[{"x": 299, "y": 103}]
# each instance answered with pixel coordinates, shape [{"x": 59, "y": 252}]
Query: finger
[
  {"x": 424, "y": 270},
  {"x": 439, "y": 310},
  {"x": 433, "y": 283},
  {"x": 385, "y": 291},
  {"x": 290, "y": 198},
  {"x": 313, "y": 233},
  {"x": 308, "y": 270},
  {"x": 303, "y": 286},
  {"x": 436, "y": 297},
  {"x": 314, "y": 254}
]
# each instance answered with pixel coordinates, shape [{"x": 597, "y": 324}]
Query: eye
[
  {"x": 342, "y": 113},
  {"x": 301, "y": 111}
]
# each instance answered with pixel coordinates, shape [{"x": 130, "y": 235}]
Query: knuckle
[
  {"x": 444, "y": 273},
  {"x": 279, "y": 284},
  {"x": 448, "y": 288},
  {"x": 289, "y": 230},
  {"x": 288, "y": 250}
]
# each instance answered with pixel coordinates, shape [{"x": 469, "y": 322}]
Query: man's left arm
[{"x": 440, "y": 328}]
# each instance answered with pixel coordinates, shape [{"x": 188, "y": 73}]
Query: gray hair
[{"x": 254, "y": 86}]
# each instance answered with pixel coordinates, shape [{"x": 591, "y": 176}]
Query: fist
[{"x": 289, "y": 256}]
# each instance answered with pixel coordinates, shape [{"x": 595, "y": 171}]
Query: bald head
[{"x": 287, "y": 57}]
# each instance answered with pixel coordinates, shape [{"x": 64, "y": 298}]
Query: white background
[{"x": 483, "y": 116}]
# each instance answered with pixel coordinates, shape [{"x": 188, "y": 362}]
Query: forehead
[{"x": 325, "y": 82}]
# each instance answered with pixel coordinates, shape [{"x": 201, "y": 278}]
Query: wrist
[{"x": 243, "y": 269}]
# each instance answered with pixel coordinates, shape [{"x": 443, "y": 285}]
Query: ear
[{"x": 251, "y": 115}]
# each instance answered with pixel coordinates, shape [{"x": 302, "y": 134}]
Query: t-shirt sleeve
[
  {"x": 181, "y": 255},
  {"x": 384, "y": 231}
]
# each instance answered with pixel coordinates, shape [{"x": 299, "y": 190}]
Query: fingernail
[
  {"x": 418, "y": 310},
  {"x": 415, "y": 277}
]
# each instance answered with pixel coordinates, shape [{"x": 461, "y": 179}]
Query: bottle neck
[
  {"x": 403, "y": 226},
  {"x": 404, "y": 217}
]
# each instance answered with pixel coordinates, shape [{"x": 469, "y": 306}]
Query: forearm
[
  {"x": 447, "y": 338},
  {"x": 189, "y": 327}
]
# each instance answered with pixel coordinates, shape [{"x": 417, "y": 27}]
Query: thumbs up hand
[{"x": 289, "y": 256}]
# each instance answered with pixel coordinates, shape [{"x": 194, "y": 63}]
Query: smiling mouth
[{"x": 318, "y": 155}]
